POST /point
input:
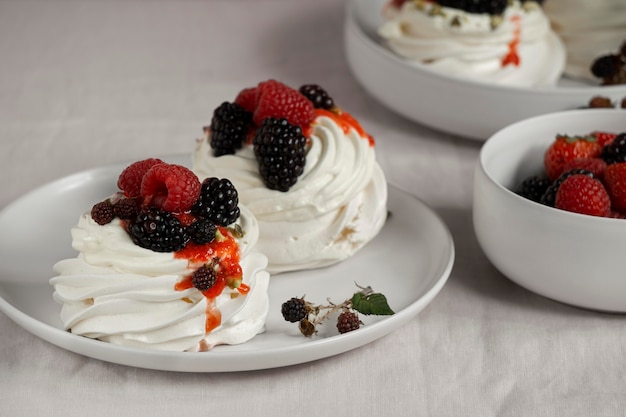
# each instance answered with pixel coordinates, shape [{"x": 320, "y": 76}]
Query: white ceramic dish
[
  {"x": 463, "y": 107},
  {"x": 409, "y": 262},
  {"x": 569, "y": 257}
]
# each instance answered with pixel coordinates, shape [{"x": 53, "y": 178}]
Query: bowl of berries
[{"x": 549, "y": 206}]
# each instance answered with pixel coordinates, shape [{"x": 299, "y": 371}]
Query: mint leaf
[{"x": 370, "y": 303}]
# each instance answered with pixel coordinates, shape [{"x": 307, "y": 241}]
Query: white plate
[
  {"x": 409, "y": 262},
  {"x": 463, "y": 107}
]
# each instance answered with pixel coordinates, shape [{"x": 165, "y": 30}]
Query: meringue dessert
[
  {"x": 502, "y": 42},
  {"x": 305, "y": 168},
  {"x": 159, "y": 267}
]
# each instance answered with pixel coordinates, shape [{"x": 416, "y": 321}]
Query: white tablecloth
[{"x": 90, "y": 83}]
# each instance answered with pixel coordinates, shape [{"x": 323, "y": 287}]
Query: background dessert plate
[
  {"x": 409, "y": 261},
  {"x": 463, "y": 107}
]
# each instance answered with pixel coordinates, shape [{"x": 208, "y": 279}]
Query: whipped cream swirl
[
  {"x": 337, "y": 205},
  {"x": 121, "y": 293},
  {"x": 520, "y": 49}
]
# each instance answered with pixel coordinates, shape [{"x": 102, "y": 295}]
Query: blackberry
[
  {"x": 615, "y": 151},
  {"x": 492, "y": 7},
  {"x": 533, "y": 187},
  {"x": 280, "y": 150},
  {"x": 229, "y": 127},
  {"x": 158, "y": 231},
  {"x": 202, "y": 231},
  {"x": 294, "y": 310},
  {"x": 127, "y": 208},
  {"x": 549, "y": 196},
  {"x": 605, "y": 66},
  {"x": 204, "y": 278},
  {"x": 102, "y": 212},
  {"x": 218, "y": 201},
  {"x": 318, "y": 96},
  {"x": 348, "y": 321}
]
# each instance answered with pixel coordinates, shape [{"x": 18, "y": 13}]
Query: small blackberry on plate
[
  {"x": 294, "y": 309},
  {"x": 218, "y": 201},
  {"x": 127, "y": 208},
  {"x": 615, "y": 151},
  {"x": 204, "y": 278},
  {"x": 318, "y": 96},
  {"x": 492, "y": 7},
  {"x": 158, "y": 231},
  {"x": 280, "y": 150},
  {"x": 202, "y": 231},
  {"x": 533, "y": 187},
  {"x": 102, "y": 212},
  {"x": 549, "y": 196},
  {"x": 229, "y": 127},
  {"x": 348, "y": 321}
]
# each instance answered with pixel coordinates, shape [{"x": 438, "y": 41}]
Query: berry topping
[
  {"x": 294, "y": 309},
  {"x": 202, "y": 231},
  {"x": 348, "y": 321},
  {"x": 102, "y": 212},
  {"x": 275, "y": 99},
  {"x": 318, "y": 96},
  {"x": 548, "y": 198},
  {"x": 218, "y": 201},
  {"x": 127, "y": 208},
  {"x": 615, "y": 182},
  {"x": 280, "y": 150},
  {"x": 582, "y": 194},
  {"x": 611, "y": 68},
  {"x": 565, "y": 148},
  {"x": 170, "y": 187},
  {"x": 229, "y": 127},
  {"x": 204, "y": 278},
  {"x": 615, "y": 151},
  {"x": 130, "y": 179},
  {"x": 158, "y": 231},
  {"x": 247, "y": 99},
  {"x": 533, "y": 187},
  {"x": 600, "y": 102},
  {"x": 492, "y": 7}
]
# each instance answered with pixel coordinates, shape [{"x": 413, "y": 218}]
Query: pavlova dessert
[
  {"x": 305, "y": 168},
  {"x": 499, "y": 41},
  {"x": 166, "y": 263}
]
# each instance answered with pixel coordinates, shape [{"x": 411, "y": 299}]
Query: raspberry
[
  {"x": 533, "y": 187},
  {"x": 294, "y": 309},
  {"x": 615, "y": 151},
  {"x": 280, "y": 150},
  {"x": 247, "y": 99},
  {"x": 596, "y": 166},
  {"x": 218, "y": 201},
  {"x": 229, "y": 127},
  {"x": 127, "y": 208},
  {"x": 102, "y": 212},
  {"x": 202, "y": 231},
  {"x": 170, "y": 187},
  {"x": 581, "y": 194},
  {"x": 130, "y": 179},
  {"x": 275, "y": 99},
  {"x": 615, "y": 182},
  {"x": 348, "y": 321},
  {"x": 604, "y": 138},
  {"x": 158, "y": 231},
  {"x": 492, "y": 7},
  {"x": 318, "y": 96},
  {"x": 549, "y": 196},
  {"x": 204, "y": 278},
  {"x": 565, "y": 148}
]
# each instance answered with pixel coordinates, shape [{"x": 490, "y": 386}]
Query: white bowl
[
  {"x": 569, "y": 257},
  {"x": 463, "y": 107}
]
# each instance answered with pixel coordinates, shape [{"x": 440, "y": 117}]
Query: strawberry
[
  {"x": 275, "y": 99},
  {"x": 604, "y": 138},
  {"x": 596, "y": 166},
  {"x": 565, "y": 148},
  {"x": 130, "y": 179},
  {"x": 615, "y": 182},
  {"x": 584, "y": 195},
  {"x": 170, "y": 187},
  {"x": 247, "y": 99}
]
